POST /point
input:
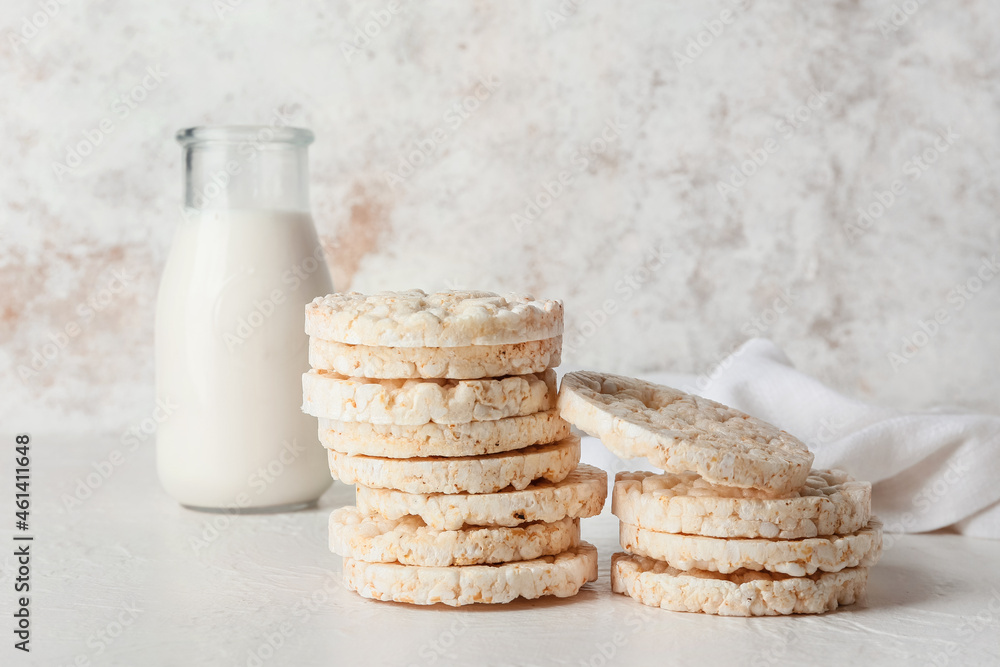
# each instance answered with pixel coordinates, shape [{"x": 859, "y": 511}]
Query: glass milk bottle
[{"x": 230, "y": 341}]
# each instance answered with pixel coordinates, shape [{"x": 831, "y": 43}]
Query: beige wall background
[{"x": 607, "y": 127}]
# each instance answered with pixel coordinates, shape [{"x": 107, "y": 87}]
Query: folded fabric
[{"x": 929, "y": 470}]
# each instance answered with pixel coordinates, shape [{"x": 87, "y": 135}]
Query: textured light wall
[{"x": 593, "y": 151}]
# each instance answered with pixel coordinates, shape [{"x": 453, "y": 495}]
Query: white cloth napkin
[{"x": 929, "y": 470}]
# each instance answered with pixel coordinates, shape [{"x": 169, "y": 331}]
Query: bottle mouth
[{"x": 244, "y": 134}]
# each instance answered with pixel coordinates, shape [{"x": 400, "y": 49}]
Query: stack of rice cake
[
  {"x": 441, "y": 408},
  {"x": 739, "y": 524}
]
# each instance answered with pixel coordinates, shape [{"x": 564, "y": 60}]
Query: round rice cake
[
  {"x": 408, "y": 540},
  {"x": 830, "y": 503},
  {"x": 581, "y": 494},
  {"x": 680, "y": 432},
  {"x": 561, "y": 575},
  {"x": 796, "y": 558},
  {"x": 455, "y": 318},
  {"x": 468, "y": 439},
  {"x": 471, "y": 474},
  {"x": 743, "y": 593},
  {"x": 461, "y": 363},
  {"x": 414, "y": 402}
]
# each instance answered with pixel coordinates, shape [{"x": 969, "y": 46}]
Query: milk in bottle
[{"x": 230, "y": 345}]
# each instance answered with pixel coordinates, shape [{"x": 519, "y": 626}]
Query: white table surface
[{"x": 269, "y": 579}]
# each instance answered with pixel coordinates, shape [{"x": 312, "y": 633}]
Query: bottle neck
[{"x": 244, "y": 172}]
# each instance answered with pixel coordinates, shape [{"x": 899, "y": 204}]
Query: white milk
[{"x": 230, "y": 353}]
